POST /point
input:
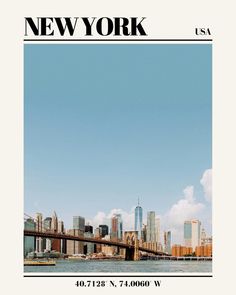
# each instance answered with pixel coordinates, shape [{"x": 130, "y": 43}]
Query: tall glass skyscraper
[
  {"x": 138, "y": 221},
  {"x": 151, "y": 227}
]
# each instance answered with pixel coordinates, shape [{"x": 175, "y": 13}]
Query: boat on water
[
  {"x": 77, "y": 257},
  {"x": 32, "y": 262}
]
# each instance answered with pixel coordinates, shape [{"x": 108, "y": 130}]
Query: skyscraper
[
  {"x": 88, "y": 247},
  {"x": 192, "y": 233},
  {"x": 144, "y": 233},
  {"x": 88, "y": 228},
  {"x": 104, "y": 230},
  {"x": 188, "y": 233},
  {"x": 158, "y": 230},
  {"x": 79, "y": 223},
  {"x": 29, "y": 242},
  {"x": 61, "y": 230},
  {"x": 55, "y": 243},
  {"x": 54, "y": 224},
  {"x": 47, "y": 224},
  {"x": 61, "y": 226},
  {"x": 120, "y": 227},
  {"x": 76, "y": 247},
  {"x": 138, "y": 221},
  {"x": 39, "y": 227},
  {"x": 151, "y": 232},
  {"x": 167, "y": 242},
  {"x": 116, "y": 227},
  {"x": 39, "y": 221},
  {"x": 205, "y": 240}
]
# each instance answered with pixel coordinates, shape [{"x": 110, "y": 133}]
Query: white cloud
[
  {"x": 188, "y": 193},
  {"x": 103, "y": 218},
  {"x": 206, "y": 182},
  {"x": 186, "y": 208}
]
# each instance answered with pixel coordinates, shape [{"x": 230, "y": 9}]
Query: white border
[{"x": 165, "y": 20}]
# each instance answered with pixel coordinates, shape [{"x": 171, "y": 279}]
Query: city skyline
[
  {"x": 53, "y": 240},
  {"x": 195, "y": 236},
  {"x": 105, "y": 124},
  {"x": 80, "y": 223},
  {"x": 128, "y": 216},
  {"x": 155, "y": 230}
]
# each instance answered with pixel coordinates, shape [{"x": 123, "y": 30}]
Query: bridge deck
[{"x": 62, "y": 236}]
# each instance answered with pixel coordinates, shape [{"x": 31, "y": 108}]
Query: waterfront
[{"x": 124, "y": 266}]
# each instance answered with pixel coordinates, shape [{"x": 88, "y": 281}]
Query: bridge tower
[{"x": 131, "y": 238}]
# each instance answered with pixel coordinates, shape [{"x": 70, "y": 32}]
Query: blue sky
[{"x": 106, "y": 124}]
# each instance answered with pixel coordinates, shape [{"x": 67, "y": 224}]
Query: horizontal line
[
  {"x": 117, "y": 40},
  {"x": 117, "y": 276}
]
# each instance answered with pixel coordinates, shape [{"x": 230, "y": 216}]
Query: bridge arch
[{"x": 131, "y": 238}]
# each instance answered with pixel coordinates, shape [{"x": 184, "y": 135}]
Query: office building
[
  {"x": 75, "y": 247},
  {"x": 39, "y": 227},
  {"x": 97, "y": 234},
  {"x": 116, "y": 227},
  {"x": 29, "y": 242},
  {"x": 47, "y": 245},
  {"x": 89, "y": 248},
  {"x": 88, "y": 229},
  {"x": 55, "y": 243},
  {"x": 151, "y": 228},
  {"x": 205, "y": 239},
  {"x": 192, "y": 233},
  {"x": 47, "y": 227},
  {"x": 167, "y": 242},
  {"x": 144, "y": 233},
  {"x": 47, "y": 223},
  {"x": 204, "y": 251},
  {"x": 138, "y": 220},
  {"x": 79, "y": 223},
  {"x": 54, "y": 224},
  {"x": 104, "y": 230},
  {"x": 61, "y": 228},
  {"x": 158, "y": 230},
  {"x": 180, "y": 251},
  {"x": 120, "y": 227}
]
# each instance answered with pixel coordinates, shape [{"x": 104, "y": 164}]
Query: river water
[{"x": 124, "y": 266}]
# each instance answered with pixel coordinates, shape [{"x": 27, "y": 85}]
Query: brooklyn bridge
[{"x": 130, "y": 244}]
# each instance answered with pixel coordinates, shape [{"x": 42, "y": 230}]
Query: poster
[{"x": 115, "y": 134}]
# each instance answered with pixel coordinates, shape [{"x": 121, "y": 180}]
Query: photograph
[{"x": 118, "y": 158}]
